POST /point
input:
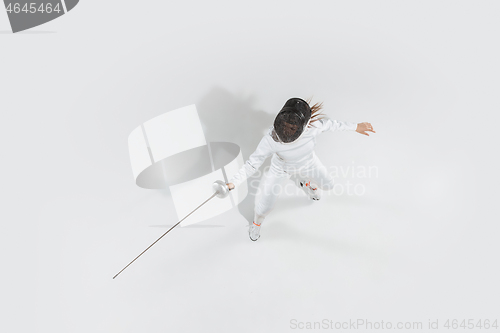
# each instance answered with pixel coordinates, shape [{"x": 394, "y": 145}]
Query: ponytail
[{"x": 316, "y": 113}]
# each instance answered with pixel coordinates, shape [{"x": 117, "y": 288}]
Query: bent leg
[{"x": 319, "y": 176}]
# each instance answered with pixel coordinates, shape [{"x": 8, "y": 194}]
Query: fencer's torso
[{"x": 295, "y": 154}]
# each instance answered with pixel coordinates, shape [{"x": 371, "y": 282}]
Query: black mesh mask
[{"x": 291, "y": 121}]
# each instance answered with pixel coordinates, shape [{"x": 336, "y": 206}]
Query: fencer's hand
[
  {"x": 230, "y": 186},
  {"x": 364, "y": 127}
]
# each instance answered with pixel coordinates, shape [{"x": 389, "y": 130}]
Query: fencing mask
[{"x": 291, "y": 121}]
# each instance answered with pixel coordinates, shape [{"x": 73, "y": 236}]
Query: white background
[{"x": 421, "y": 243}]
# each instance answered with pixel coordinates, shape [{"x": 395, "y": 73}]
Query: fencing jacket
[{"x": 293, "y": 154}]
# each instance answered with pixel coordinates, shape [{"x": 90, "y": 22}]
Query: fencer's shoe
[
  {"x": 311, "y": 190},
  {"x": 254, "y": 231}
]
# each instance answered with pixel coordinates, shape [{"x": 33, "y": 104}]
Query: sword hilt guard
[{"x": 220, "y": 188}]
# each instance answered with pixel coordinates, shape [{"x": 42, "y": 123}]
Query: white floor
[{"x": 420, "y": 244}]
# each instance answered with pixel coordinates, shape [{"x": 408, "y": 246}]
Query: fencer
[{"x": 290, "y": 142}]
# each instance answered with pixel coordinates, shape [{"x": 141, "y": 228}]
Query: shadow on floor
[{"x": 231, "y": 118}]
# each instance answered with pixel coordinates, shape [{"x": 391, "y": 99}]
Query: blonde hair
[{"x": 316, "y": 113}]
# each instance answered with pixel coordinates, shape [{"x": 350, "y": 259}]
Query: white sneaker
[
  {"x": 311, "y": 190},
  {"x": 254, "y": 231}
]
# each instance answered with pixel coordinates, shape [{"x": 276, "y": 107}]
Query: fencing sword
[{"x": 221, "y": 190}]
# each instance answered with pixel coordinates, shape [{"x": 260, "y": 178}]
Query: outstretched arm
[
  {"x": 253, "y": 163},
  {"x": 328, "y": 124}
]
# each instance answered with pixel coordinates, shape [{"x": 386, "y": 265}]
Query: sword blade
[{"x": 175, "y": 225}]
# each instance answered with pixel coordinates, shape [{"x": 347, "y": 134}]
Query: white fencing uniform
[{"x": 297, "y": 158}]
